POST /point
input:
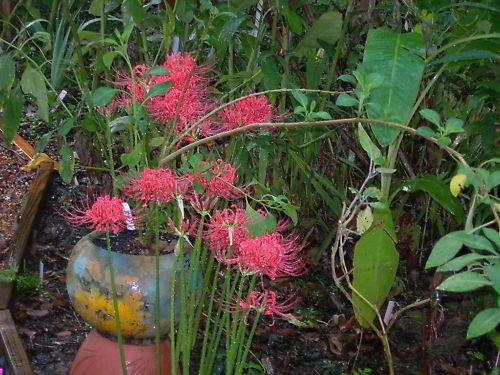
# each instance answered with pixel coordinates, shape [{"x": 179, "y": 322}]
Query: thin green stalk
[
  {"x": 243, "y": 360},
  {"x": 203, "y": 363},
  {"x": 233, "y": 334},
  {"x": 195, "y": 299},
  {"x": 74, "y": 32},
  {"x": 284, "y": 80},
  {"x": 115, "y": 305},
  {"x": 390, "y": 162},
  {"x": 173, "y": 341},
  {"x": 206, "y": 283},
  {"x": 244, "y": 348},
  {"x": 157, "y": 292},
  {"x": 183, "y": 329},
  {"x": 331, "y": 75},
  {"x": 227, "y": 292}
]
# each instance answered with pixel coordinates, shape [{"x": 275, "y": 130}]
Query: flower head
[
  {"x": 153, "y": 185},
  {"x": 160, "y": 185},
  {"x": 106, "y": 214},
  {"x": 218, "y": 181},
  {"x": 226, "y": 230},
  {"x": 251, "y": 110},
  {"x": 271, "y": 254},
  {"x": 266, "y": 303},
  {"x": 188, "y": 98}
]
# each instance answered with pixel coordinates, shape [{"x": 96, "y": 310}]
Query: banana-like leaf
[
  {"x": 375, "y": 265},
  {"x": 399, "y": 59}
]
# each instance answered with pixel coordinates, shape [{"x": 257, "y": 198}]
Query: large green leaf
[
  {"x": 67, "y": 163},
  {"x": 464, "y": 282},
  {"x": 444, "y": 250},
  {"x": 484, "y": 322},
  {"x": 439, "y": 191},
  {"x": 7, "y": 73},
  {"x": 326, "y": 29},
  {"x": 12, "y": 112},
  {"x": 33, "y": 83},
  {"x": 375, "y": 265},
  {"x": 399, "y": 59}
]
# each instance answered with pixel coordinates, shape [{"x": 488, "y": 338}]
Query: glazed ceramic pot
[{"x": 89, "y": 289}]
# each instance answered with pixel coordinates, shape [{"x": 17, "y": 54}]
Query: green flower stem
[
  {"x": 157, "y": 292},
  {"x": 173, "y": 341},
  {"x": 109, "y": 147},
  {"x": 243, "y": 360},
  {"x": 115, "y": 305},
  {"x": 233, "y": 332},
  {"x": 216, "y": 319},
  {"x": 185, "y": 305},
  {"x": 194, "y": 299},
  {"x": 331, "y": 75},
  {"x": 227, "y": 292},
  {"x": 244, "y": 347}
]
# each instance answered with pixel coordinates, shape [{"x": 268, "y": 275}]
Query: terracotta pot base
[{"x": 99, "y": 355}]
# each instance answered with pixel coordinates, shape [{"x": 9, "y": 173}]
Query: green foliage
[
  {"x": 451, "y": 126},
  {"x": 442, "y": 66},
  {"x": 375, "y": 264},
  {"x": 398, "y": 59},
  {"x": 7, "y": 75},
  {"x": 8, "y": 274},
  {"x": 27, "y": 282},
  {"x": 306, "y": 109},
  {"x": 325, "y": 30},
  {"x": 438, "y": 190},
  {"x": 13, "y": 110},
  {"x": 479, "y": 266}
]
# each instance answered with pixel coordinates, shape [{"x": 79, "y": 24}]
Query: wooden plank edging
[
  {"x": 23, "y": 231},
  {"x": 13, "y": 347}
]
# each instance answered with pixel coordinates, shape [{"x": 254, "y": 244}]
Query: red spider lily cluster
[
  {"x": 188, "y": 100},
  {"x": 226, "y": 233}
]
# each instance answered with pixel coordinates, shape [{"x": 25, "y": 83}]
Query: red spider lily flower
[
  {"x": 157, "y": 185},
  {"x": 135, "y": 85},
  {"x": 251, "y": 110},
  {"x": 201, "y": 203},
  {"x": 184, "y": 229},
  {"x": 272, "y": 254},
  {"x": 266, "y": 303},
  {"x": 188, "y": 98},
  {"x": 218, "y": 181},
  {"x": 106, "y": 214},
  {"x": 226, "y": 230}
]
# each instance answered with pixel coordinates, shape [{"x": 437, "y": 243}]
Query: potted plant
[{"x": 214, "y": 230}]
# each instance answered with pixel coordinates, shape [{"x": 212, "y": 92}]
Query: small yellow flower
[{"x": 457, "y": 184}]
